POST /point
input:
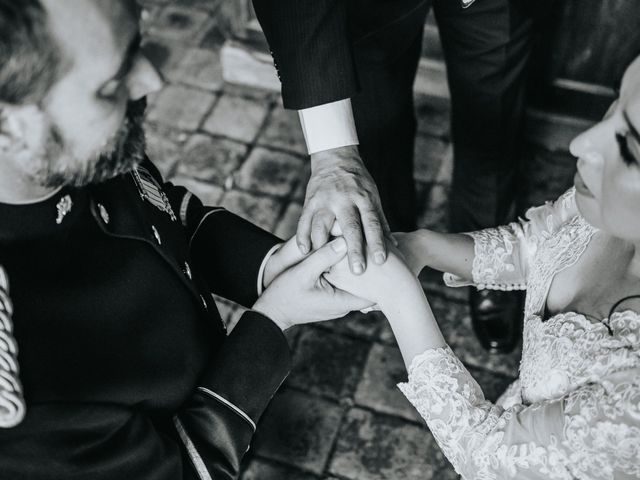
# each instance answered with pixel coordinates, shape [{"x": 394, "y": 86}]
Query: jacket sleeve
[
  {"x": 311, "y": 48},
  {"x": 217, "y": 423},
  {"x": 503, "y": 254},
  {"x": 594, "y": 428},
  {"x": 228, "y": 249}
]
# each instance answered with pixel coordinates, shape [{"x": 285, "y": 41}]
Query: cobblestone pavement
[{"x": 339, "y": 414}]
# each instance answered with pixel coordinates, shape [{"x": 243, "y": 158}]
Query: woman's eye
[
  {"x": 628, "y": 150},
  {"x": 110, "y": 89}
]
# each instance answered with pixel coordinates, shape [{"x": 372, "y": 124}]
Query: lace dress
[{"x": 574, "y": 413}]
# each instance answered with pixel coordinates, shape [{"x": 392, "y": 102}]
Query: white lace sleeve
[
  {"x": 502, "y": 254},
  {"x": 591, "y": 433}
]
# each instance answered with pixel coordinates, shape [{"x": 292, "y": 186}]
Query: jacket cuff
[
  {"x": 230, "y": 252},
  {"x": 249, "y": 368}
]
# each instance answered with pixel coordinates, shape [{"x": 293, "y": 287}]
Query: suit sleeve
[
  {"x": 311, "y": 48},
  {"x": 228, "y": 249},
  {"x": 217, "y": 424}
]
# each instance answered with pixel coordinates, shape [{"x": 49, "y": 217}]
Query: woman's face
[{"x": 608, "y": 178}]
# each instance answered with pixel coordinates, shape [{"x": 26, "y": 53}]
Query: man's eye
[
  {"x": 110, "y": 89},
  {"x": 628, "y": 150}
]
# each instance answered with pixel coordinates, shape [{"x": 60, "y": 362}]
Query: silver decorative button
[
  {"x": 204, "y": 302},
  {"x": 63, "y": 207},
  {"x": 104, "y": 214},
  {"x": 156, "y": 234},
  {"x": 187, "y": 270}
]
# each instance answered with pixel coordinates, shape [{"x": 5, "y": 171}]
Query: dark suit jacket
[
  {"x": 126, "y": 366},
  {"x": 312, "y": 42}
]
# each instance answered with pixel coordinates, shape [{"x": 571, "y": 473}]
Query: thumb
[{"x": 324, "y": 258}]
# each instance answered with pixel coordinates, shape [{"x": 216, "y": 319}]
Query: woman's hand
[
  {"x": 380, "y": 284},
  {"x": 301, "y": 294},
  {"x": 413, "y": 248}
]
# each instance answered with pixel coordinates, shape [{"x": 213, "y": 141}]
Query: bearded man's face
[{"x": 88, "y": 127}]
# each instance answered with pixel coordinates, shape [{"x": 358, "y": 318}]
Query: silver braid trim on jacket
[{"x": 12, "y": 404}]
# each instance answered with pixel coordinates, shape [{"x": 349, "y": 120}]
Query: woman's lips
[{"x": 581, "y": 187}]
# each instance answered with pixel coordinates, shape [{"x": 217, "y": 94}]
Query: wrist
[
  {"x": 335, "y": 156},
  {"x": 426, "y": 240},
  {"x": 272, "y": 314}
]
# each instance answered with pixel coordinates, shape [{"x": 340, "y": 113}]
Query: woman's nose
[
  {"x": 594, "y": 140},
  {"x": 144, "y": 79}
]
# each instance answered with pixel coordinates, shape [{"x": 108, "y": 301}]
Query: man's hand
[
  {"x": 341, "y": 190},
  {"x": 302, "y": 295}
]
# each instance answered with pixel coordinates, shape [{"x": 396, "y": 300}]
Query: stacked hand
[{"x": 297, "y": 291}]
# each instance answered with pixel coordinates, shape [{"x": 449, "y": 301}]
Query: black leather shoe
[{"x": 497, "y": 318}]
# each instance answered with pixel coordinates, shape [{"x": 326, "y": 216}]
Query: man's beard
[{"x": 123, "y": 152}]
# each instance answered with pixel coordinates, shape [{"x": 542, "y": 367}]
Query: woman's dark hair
[{"x": 29, "y": 55}]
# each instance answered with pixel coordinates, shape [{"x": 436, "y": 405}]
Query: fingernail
[
  {"x": 358, "y": 268},
  {"x": 379, "y": 257},
  {"x": 303, "y": 248},
  {"x": 339, "y": 245}
]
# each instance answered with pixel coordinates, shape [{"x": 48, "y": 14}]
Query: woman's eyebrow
[{"x": 632, "y": 128}]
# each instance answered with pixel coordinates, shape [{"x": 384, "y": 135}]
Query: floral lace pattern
[{"x": 575, "y": 410}]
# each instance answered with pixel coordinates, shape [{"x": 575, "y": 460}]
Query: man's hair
[{"x": 29, "y": 55}]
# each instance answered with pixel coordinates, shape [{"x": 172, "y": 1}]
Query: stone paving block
[
  {"x": 433, "y": 116},
  {"x": 181, "y": 23},
  {"x": 288, "y": 225},
  {"x": 378, "y": 447},
  {"x": 357, "y": 324},
  {"x": 283, "y": 131},
  {"x": 445, "y": 174},
  {"x": 455, "y": 322},
  {"x": 198, "y": 68},
  {"x": 447, "y": 473},
  {"x": 263, "y": 211},
  {"x": 377, "y": 388},
  {"x": 299, "y": 430},
  {"x": 164, "y": 54},
  {"x": 433, "y": 206},
  {"x": 237, "y": 118},
  {"x": 207, "y": 5},
  {"x": 164, "y": 147},
  {"x": 269, "y": 171},
  {"x": 430, "y": 153},
  {"x": 328, "y": 364},
  {"x": 211, "y": 159},
  {"x": 209, "y": 194},
  {"x": 261, "y": 470},
  {"x": 229, "y": 311},
  {"x": 180, "y": 107}
]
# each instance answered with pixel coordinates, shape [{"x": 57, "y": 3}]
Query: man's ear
[{"x": 20, "y": 125}]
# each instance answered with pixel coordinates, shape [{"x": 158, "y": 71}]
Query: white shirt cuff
[
  {"x": 273, "y": 250},
  {"x": 328, "y": 126}
]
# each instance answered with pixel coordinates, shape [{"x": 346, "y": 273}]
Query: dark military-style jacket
[{"x": 125, "y": 363}]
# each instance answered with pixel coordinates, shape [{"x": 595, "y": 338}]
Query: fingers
[
  {"x": 321, "y": 227},
  {"x": 375, "y": 236},
  {"x": 303, "y": 234},
  {"x": 323, "y": 259},
  {"x": 349, "y": 221}
]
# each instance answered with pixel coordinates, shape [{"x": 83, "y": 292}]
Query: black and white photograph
[{"x": 319, "y": 239}]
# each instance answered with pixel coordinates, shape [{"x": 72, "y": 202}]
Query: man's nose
[{"x": 144, "y": 79}]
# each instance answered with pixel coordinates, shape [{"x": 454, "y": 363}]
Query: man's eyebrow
[
  {"x": 129, "y": 57},
  {"x": 634, "y": 130}
]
